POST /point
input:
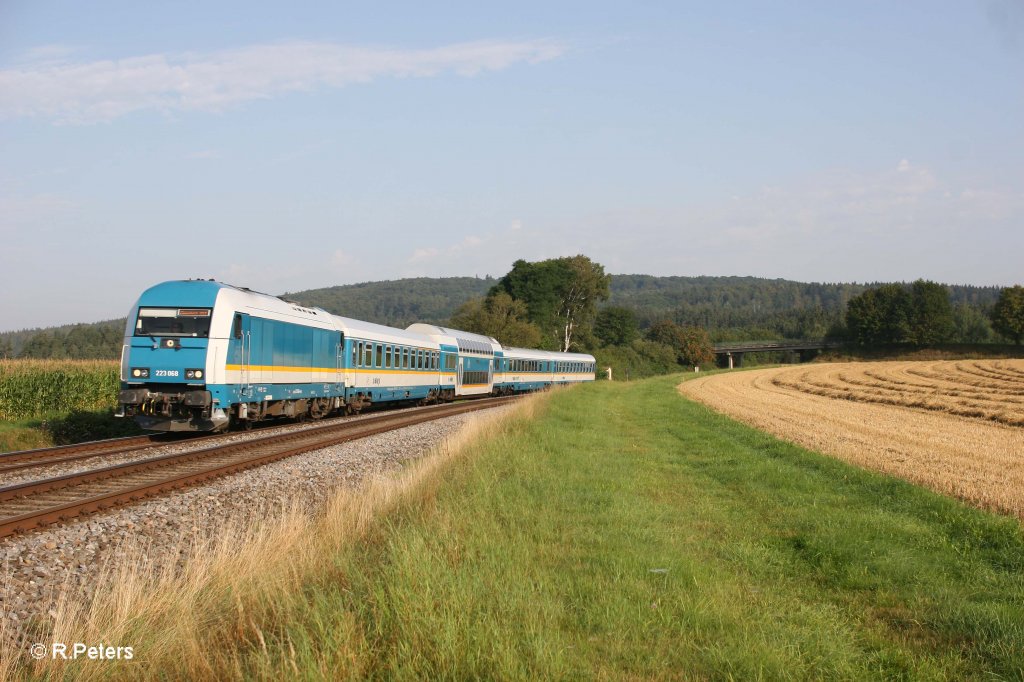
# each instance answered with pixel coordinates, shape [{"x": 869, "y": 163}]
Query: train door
[
  {"x": 339, "y": 375},
  {"x": 241, "y": 353},
  {"x": 458, "y": 376}
]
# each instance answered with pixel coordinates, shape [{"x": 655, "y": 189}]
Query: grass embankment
[{"x": 625, "y": 532}]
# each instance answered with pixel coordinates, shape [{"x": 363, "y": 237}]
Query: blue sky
[{"x": 290, "y": 146}]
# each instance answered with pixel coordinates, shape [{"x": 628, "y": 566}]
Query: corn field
[{"x": 36, "y": 388}]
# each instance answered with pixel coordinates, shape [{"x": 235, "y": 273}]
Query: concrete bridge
[{"x": 731, "y": 354}]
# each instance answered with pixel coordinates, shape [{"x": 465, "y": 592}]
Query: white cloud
[
  {"x": 90, "y": 92},
  {"x": 420, "y": 255},
  {"x": 340, "y": 257}
]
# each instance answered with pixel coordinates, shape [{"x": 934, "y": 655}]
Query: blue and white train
[{"x": 200, "y": 355}]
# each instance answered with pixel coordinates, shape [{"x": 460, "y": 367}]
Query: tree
[
  {"x": 615, "y": 326},
  {"x": 6, "y": 349},
  {"x": 1008, "y": 313},
  {"x": 561, "y": 294},
  {"x": 695, "y": 347},
  {"x": 930, "y": 318},
  {"x": 499, "y": 316},
  {"x": 971, "y": 324},
  {"x": 691, "y": 345},
  {"x": 879, "y": 316}
]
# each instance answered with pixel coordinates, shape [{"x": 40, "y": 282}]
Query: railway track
[
  {"x": 27, "y": 459},
  {"x": 30, "y": 505}
]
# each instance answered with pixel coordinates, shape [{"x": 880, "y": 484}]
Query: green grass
[
  {"x": 629, "y": 533},
  {"x": 23, "y": 435}
]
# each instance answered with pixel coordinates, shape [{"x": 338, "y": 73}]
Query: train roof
[
  {"x": 533, "y": 354},
  {"x": 379, "y": 332},
  {"x": 464, "y": 341}
]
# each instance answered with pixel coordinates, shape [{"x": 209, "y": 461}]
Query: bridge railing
[{"x": 776, "y": 344}]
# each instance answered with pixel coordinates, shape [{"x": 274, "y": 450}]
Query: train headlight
[
  {"x": 140, "y": 372},
  {"x": 193, "y": 374}
]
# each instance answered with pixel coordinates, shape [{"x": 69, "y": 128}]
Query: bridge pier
[{"x": 734, "y": 359}]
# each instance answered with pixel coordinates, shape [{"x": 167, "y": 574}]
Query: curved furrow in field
[{"x": 972, "y": 458}]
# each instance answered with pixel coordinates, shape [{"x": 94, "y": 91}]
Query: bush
[
  {"x": 639, "y": 359},
  {"x": 80, "y": 426}
]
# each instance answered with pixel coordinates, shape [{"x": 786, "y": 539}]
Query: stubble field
[{"x": 956, "y": 427}]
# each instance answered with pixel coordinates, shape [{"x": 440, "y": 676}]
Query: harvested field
[{"x": 956, "y": 427}]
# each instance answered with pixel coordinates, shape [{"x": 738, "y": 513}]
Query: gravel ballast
[{"x": 71, "y": 557}]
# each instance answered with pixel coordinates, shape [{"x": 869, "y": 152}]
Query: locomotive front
[{"x": 165, "y": 359}]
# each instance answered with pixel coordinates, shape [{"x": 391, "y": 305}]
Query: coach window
[
  {"x": 368, "y": 355},
  {"x": 357, "y": 350},
  {"x": 405, "y": 358},
  {"x": 387, "y": 357},
  {"x": 380, "y": 355}
]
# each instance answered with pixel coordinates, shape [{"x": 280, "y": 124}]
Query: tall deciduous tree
[
  {"x": 879, "y": 316},
  {"x": 930, "y": 315},
  {"x": 561, "y": 294},
  {"x": 1008, "y": 313},
  {"x": 499, "y": 316}
]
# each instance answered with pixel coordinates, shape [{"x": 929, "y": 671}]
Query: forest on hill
[{"x": 729, "y": 308}]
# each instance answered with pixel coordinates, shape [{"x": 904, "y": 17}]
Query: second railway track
[{"x": 33, "y": 504}]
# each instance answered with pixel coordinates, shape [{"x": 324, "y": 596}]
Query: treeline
[
  {"x": 923, "y": 314},
  {"x": 97, "y": 341},
  {"x": 727, "y": 308},
  {"x": 396, "y": 303}
]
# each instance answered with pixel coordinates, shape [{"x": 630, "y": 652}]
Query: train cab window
[
  {"x": 238, "y": 326},
  {"x": 174, "y": 322}
]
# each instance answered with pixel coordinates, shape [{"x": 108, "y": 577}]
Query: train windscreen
[{"x": 173, "y": 322}]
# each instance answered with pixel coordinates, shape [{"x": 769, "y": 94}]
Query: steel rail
[
  {"x": 234, "y": 457},
  {"x": 96, "y": 447}
]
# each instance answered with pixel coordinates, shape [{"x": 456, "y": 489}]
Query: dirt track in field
[{"x": 956, "y": 427}]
